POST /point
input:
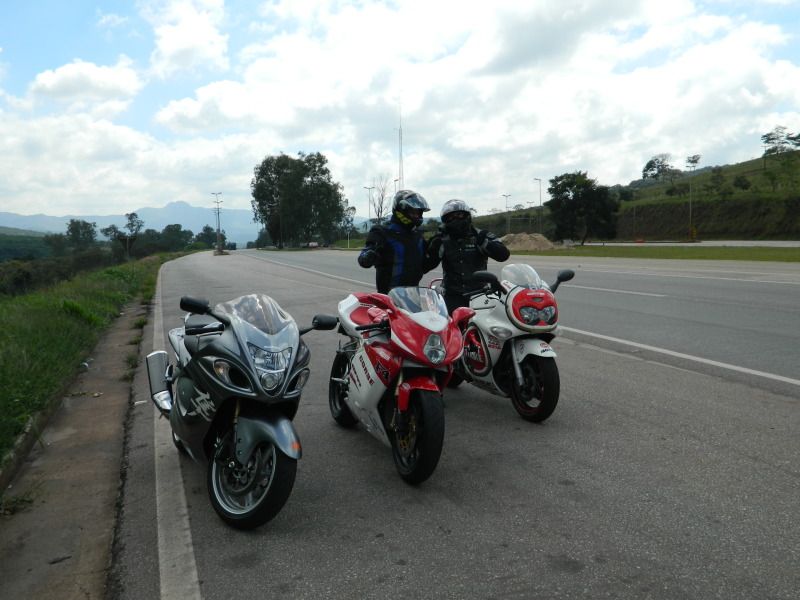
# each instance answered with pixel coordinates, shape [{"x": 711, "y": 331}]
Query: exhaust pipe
[{"x": 157, "y": 365}]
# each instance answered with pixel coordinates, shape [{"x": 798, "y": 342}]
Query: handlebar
[{"x": 372, "y": 326}]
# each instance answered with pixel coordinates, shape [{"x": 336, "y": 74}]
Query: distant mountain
[
  {"x": 237, "y": 223},
  {"x": 23, "y": 232}
]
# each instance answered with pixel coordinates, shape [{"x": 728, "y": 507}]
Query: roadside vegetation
[{"x": 48, "y": 333}]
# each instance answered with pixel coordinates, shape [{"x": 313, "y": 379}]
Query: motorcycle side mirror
[
  {"x": 461, "y": 315},
  {"x": 324, "y": 322},
  {"x": 486, "y": 278},
  {"x": 562, "y": 276},
  {"x": 321, "y": 322},
  {"x": 195, "y": 305}
]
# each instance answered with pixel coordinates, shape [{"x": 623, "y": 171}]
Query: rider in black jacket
[
  {"x": 397, "y": 250},
  {"x": 462, "y": 250}
]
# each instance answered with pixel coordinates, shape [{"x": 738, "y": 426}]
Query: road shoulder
[{"x": 59, "y": 546}]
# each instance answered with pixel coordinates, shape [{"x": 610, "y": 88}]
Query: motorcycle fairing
[
  {"x": 276, "y": 429},
  {"x": 533, "y": 346},
  {"x": 385, "y": 363},
  {"x": 476, "y": 355},
  {"x": 415, "y": 382}
]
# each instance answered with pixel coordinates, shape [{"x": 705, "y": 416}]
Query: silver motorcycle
[{"x": 231, "y": 395}]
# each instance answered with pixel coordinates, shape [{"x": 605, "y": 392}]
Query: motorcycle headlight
[
  {"x": 434, "y": 349},
  {"x": 532, "y": 316},
  {"x": 270, "y": 366}
]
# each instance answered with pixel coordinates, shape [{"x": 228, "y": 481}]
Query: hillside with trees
[{"x": 756, "y": 199}]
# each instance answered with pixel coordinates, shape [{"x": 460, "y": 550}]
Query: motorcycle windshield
[
  {"x": 523, "y": 276},
  {"x": 260, "y": 311},
  {"x": 418, "y": 299}
]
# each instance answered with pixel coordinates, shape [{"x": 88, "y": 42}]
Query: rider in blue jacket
[{"x": 397, "y": 250}]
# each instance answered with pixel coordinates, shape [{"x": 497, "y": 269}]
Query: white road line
[
  {"x": 679, "y": 276},
  {"x": 698, "y": 359},
  {"x": 608, "y": 338},
  {"x": 347, "y": 279},
  {"x": 586, "y": 287},
  {"x": 176, "y": 564}
]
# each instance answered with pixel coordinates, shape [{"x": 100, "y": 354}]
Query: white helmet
[{"x": 455, "y": 206}]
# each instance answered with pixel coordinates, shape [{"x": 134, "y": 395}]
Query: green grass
[
  {"x": 677, "y": 252},
  {"x": 48, "y": 333},
  {"x": 757, "y": 253}
]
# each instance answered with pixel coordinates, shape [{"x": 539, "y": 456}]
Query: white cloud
[
  {"x": 492, "y": 95},
  {"x": 187, "y": 36},
  {"x": 110, "y": 21},
  {"x": 86, "y": 81}
]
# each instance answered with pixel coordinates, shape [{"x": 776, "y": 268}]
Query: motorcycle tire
[
  {"x": 536, "y": 400},
  {"x": 337, "y": 391},
  {"x": 242, "y": 501},
  {"x": 455, "y": 381},
  {"x": 417, "y": 453}
]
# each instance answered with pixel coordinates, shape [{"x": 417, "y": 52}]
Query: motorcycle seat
[
  {"x": 192, "y": 342},
  {"x": 199, "y": 321}
]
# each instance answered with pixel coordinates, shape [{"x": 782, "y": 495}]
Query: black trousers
[{"x": 453, "y": 301}]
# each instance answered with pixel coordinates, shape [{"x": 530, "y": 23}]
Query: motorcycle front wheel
[
  {"x": 536, "y": 399},
  {"x": 246, "y": 496},
  {"x": 416, "y": 451},
  {"x": 337, "y": 391}
]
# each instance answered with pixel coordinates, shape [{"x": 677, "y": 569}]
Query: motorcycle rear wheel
[
  {"x": 537, "y": 398},
  {"x": 337, "y": 392},
  {"x": 246, "y": 496},
  {"x": 417, "y": 453}
]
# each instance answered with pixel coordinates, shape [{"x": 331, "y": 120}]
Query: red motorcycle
[{"x": 390, "y": 373}]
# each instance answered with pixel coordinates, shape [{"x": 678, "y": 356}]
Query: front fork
[{"x": 522, "y": 347}]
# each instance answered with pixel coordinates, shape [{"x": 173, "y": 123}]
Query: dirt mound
[{"x": 526, "y": 241}]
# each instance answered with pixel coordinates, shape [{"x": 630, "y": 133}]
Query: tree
[
  {"x": 175, "y": 237},
  {"x": 381, "y": 202},
  {"x": 207, "y": 238},
  {"x": 57, "y": 242},
  {"x": 296, "y": 198},
  {"x": 134, "y": 225},
  {"x": 658, "y": 167},
  {"x": 741, "y": 182},
  {"x": 581, "y": 208},
  {"x": 81, "y": 234},
  {"x": 691, "y": 161}
]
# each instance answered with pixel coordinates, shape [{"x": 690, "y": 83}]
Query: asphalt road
[{"x": 669, "y": 469}]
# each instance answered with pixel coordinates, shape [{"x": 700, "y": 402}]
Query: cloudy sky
[{"x": 107, "y": 107}]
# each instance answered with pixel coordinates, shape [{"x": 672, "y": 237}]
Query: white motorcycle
[{"x": 507, "y": 348}]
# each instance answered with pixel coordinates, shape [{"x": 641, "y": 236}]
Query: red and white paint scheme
[{"x": 390, "y": 374}]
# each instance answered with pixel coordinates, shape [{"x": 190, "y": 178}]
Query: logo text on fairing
[
  {"x": 202, "y": 405},
  {"x": 382, "y": 371},
  {"x": 366, "y": 371}
]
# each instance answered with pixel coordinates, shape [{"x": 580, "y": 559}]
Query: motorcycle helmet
[
  {"x": 408, "y": 207},
  {"x": 456, "y": 217}
]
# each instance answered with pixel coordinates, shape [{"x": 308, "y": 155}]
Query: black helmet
[{"x": 408, "y": 207}]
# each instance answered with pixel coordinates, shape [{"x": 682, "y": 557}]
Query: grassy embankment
[
  {"x": 755, "y": 253},
  {"x": 48, "y": 333}
]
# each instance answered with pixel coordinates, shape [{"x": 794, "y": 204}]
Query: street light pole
[
  {"x": 217, "y": 201},
  {"x": 508, "y": 214},
  {"x": 540, "y": 204},
  {"x": 369, "y": 201},
  {"x": 395, "y": 184}
]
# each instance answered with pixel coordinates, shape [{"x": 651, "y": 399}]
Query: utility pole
[
  {"x": 400, "y": 143},
  {"x": 540, "y": 204},
  {"x": 217, "y": 201},
  {"x": 508, "y": 214},
  {"x": 369, "y": 202}
]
